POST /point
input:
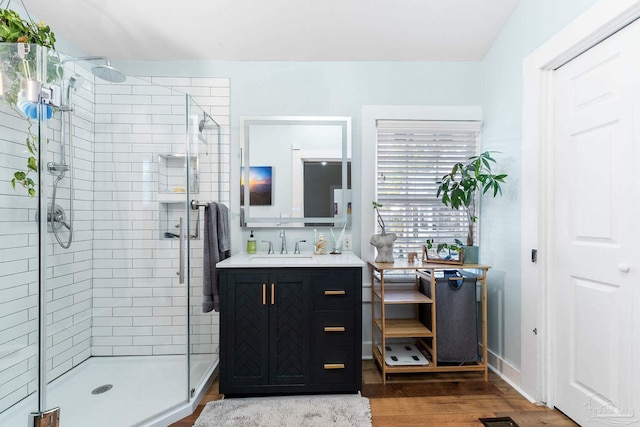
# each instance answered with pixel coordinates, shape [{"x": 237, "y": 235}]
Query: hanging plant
[
  {"x": 14, "y": 29},
  {"x": 18, "y": 66}
]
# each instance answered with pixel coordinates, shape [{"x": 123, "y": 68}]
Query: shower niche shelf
[
  {"x": 169, "y": 220},
  {"x": 172, "y": 179}
]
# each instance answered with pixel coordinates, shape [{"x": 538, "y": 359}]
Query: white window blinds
[{"x": 412, "y": 156}]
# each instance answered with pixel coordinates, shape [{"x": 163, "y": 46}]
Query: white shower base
[{"x": 144, "y": 387}]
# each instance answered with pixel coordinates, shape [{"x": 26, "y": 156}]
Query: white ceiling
[{"x": 287, "y": 30}]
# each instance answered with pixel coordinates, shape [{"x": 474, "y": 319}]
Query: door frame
[{"x": 537, "y": 335}]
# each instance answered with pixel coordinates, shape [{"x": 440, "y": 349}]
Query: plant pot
[
  {"x": 471, "y": 254},
  {"x": 384, "y": 244}
]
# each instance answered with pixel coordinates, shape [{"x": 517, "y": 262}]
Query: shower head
[
  {"x": 75, "y": 82},
  {"x": 108, "y": 73},
  {"x": 105, "y": 72}
]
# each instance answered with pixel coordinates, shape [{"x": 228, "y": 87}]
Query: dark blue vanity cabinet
[{"x": 290, "y": 330}]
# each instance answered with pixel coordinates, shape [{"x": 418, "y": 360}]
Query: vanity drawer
[
  {"x": 334, "y": 365},
  {"x": 335, "y": 290},
  {"x": 334, "y": 328}
]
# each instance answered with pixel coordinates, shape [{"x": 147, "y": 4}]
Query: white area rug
[{"x": 349, "y": 410}]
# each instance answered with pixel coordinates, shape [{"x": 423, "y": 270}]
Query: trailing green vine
[{"x": 18, "y": 61}]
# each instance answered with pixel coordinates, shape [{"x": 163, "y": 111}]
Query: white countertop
[{"x": 305, "y": 259}]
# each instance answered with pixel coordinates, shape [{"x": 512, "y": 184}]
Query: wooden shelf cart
[{"x": 384, "y": 328}]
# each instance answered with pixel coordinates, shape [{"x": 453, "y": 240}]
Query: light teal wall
[
  {"x": 329, "y": 88},
  {"x": 531, "y": 24}
]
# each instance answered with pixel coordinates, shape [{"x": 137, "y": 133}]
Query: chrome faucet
[
  {"x": 270, "y": 251},
  {"x": 297, "y": 248},
  {"x": 283, "y": 236}
]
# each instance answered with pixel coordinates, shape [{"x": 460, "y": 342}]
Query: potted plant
[
  {"x": 383, "y": 241},
  {"x": 448, "y": 253},
  {"x": 18, "y": 67},
  {"x": 459, "y": 190}
]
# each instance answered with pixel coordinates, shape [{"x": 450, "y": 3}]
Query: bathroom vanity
[{"x": 290, "y": 324}]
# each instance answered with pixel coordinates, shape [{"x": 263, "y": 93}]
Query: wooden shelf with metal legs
[{"x": 423, "y": 332}]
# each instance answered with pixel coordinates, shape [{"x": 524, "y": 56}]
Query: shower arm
[{"x": 87, "y": 58}]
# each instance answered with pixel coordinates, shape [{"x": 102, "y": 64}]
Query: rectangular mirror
[{"x": 299, "y": 171}]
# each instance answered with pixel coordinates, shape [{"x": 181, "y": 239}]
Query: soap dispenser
[{"x": 251, "y": 244}]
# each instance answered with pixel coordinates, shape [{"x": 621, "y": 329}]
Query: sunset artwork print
[{"x": 260, "y": 179}]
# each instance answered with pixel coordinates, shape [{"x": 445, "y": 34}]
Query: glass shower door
[
  {"x": 23, "y": 131},
  {"x": 203, "y": 143}
]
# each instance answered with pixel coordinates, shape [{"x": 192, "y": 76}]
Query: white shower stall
[{"x": 111, "y": 328}]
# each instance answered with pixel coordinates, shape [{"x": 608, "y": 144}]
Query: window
[{"x": 412, "y": 155}]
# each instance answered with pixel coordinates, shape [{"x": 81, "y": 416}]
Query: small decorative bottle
[{"x": 321, "y": 245}]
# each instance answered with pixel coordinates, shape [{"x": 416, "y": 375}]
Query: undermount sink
[{"x": 280, "y": 257}]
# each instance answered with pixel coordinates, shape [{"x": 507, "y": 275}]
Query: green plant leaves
[
  {"x": 376, "y": 206},
  {"x": 31, "y": 164},
  {"x": 458, "y": 188},
  {"x": 14, "y": 29},
  {"x": 22, "y": 178}
]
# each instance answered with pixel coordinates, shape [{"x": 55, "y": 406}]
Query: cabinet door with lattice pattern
[
  {"x": 289, "y": 328},
  {"x": 244, "y": 332}
]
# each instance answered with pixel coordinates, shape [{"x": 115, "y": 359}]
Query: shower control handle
[{"x": 182, "y": 241}]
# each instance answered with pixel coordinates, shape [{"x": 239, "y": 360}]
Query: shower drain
[{"x": 102, "y": 389}]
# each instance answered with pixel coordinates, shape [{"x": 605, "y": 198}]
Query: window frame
[
  {"x": 367, "y": 152},
  {"x": 412, "y": 155}
]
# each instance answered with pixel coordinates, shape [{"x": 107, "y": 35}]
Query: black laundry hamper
[{"x": 456, "y": 317}]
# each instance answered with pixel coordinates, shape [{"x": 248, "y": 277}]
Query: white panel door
[{"x": 597, "y": 261}]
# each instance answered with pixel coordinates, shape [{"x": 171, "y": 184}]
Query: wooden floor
[{"x": 449, "y": 400}]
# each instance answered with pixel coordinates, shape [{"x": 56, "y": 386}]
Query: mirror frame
[{"x": 248, "y": 221}]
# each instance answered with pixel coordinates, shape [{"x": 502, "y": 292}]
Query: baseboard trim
[
  {"x": 508, "y": 373},
  {"x": 367, "y": 352}
]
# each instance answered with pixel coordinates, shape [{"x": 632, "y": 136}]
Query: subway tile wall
[
  {"x": 19, "y": 272},
  {"x": 68, "y": 272},
  {"x": 115, "y": 291},
  {"x": 138, "y": 302}
]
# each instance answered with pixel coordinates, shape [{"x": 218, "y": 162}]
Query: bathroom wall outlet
[{"x": 346, "y": 242}]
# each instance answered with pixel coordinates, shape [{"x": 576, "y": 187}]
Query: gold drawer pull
[
  {"x": 334, "y": 292},
  {"x": 334, "y": 366},
  {"x": 273, "y": 293},
  {"x": 264, "y": 294},
  {"x": 334, "y": 329}
]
